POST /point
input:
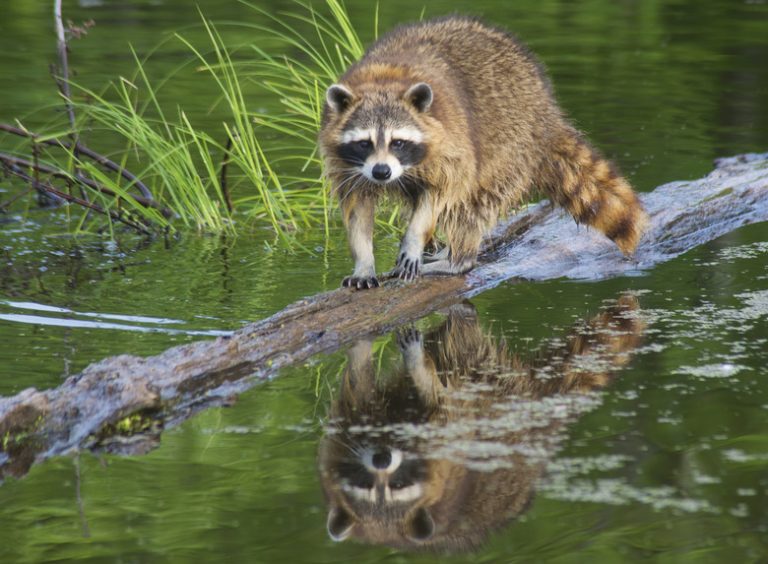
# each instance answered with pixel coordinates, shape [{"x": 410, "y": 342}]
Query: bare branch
[
  {"x": 63, "y": 79},
  {"x": 17, "y": 170},
  {"x": 85, "y": 151},
  {"x": 80, "y": 179}
]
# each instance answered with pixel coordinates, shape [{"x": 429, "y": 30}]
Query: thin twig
[
  {"x": 223, "y": 181},
  {"x": 63, "y": 80},
  {"x": 85, "y": 151}
]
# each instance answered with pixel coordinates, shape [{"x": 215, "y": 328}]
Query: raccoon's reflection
[{"x": 448, "y": 447}]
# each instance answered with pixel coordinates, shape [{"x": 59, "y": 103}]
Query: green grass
[
  {"x": 177, "y": 160},
  {"x": 274, "y": 174}
]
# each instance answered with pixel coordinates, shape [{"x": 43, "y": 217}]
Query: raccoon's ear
[
  {"x": 420, "y": 526},
  {"x": 339, "y": 524},
  {"x": 420, "y": 95},
  {"x": 338, "y": 97}
]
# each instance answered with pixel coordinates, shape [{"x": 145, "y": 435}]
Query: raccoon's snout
[{"x": 381, "y": 171}]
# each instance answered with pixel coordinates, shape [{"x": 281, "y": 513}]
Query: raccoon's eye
[
  {"x": 364, "y": 144},
  {"x": 397, "y": 144}
]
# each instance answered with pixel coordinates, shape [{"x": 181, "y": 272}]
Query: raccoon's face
[
  {"x": 380, "y": 488},
  {"x": 381, "y": 475},
  {"x": 379, "y": 138}
]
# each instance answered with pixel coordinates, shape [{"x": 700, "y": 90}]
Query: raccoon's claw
[
  {"x": 407, "y": 268},
  {"x": 407, "y": 336},
  {"x": 360, "y": 282}
]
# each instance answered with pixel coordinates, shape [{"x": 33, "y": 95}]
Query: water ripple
[{"x": 143, "y": 324}]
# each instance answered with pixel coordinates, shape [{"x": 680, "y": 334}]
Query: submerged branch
[
  {"x": 108, "y": 164},
  {"x": 540, "y": 243},
  {"x": 14, "y": 166}
]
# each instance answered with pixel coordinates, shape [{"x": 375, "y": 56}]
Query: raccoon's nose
[
  {"x": 382, "y": 460},
  {"x": 381, "y": 171}
]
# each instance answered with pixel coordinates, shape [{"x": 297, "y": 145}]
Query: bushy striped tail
[{"x": 582, "y": 181}]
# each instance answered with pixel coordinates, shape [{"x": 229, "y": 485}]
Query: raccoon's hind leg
[
  {"x": 439, "y": 254},
  {"x": 579, "y": 179},
  {"x": 464, "y": 234},
  {"x": 358, "y": 212},
  {"x": 446, "y": 267}
]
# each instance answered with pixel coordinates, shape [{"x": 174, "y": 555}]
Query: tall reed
[{"x": 260, "y": 166}]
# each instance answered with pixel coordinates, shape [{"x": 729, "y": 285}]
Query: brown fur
[
  {"x": 460, "y": 377},
  {"x": 494, "y": 132}
]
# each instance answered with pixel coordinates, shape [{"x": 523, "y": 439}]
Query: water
[{"x": 656, "y": 449}]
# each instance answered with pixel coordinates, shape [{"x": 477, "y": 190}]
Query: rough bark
[{"x": 127, "y": 393}]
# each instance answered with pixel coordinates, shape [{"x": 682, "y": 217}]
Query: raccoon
[
  {"x": 459, "y": 119},
  {"x": 386, "y": 464}
]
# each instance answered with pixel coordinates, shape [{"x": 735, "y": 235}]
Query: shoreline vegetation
[{"x": 171, "y": 174}]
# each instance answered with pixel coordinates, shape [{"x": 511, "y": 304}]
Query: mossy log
[{"x": 133, "y": 398}]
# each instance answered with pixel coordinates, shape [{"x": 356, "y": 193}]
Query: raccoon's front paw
[
  {"x": 408, "y": 336},
  {"x": 360, "y": 282},
  {"x": 407, "y": 268}
]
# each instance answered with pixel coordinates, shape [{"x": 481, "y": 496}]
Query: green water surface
[{"x": 668, "y": 462}]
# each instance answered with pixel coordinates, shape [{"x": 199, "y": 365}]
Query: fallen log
[{"x": 125, "y": 394}]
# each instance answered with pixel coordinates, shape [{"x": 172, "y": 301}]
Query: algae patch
[
  {"x": 720, "y": 194},
  {"x": 142, "y": 422}
]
